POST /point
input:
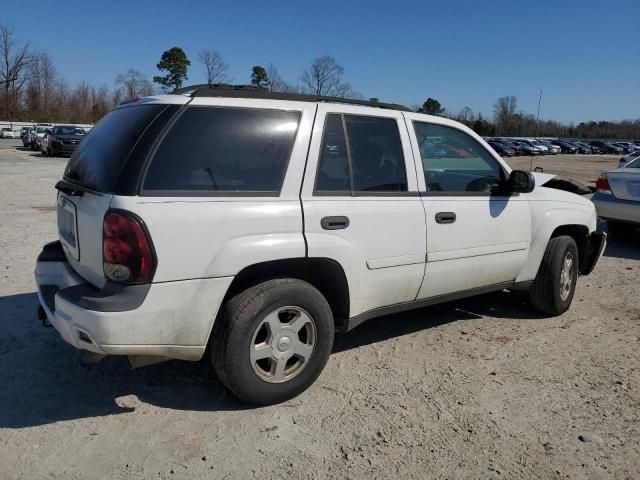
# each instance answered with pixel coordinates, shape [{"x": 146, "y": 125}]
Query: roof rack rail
[{"x": 251, "y": 91}]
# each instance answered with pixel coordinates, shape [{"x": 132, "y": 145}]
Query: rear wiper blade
[{"x": 74, "y": 189}]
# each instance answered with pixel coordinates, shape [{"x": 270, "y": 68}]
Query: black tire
[
  {"x": 620, "y": 229},
  {"x": 241, "y": 319},
  {"x": 546, "y": 294}
]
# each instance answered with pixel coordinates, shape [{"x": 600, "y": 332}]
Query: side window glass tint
[
  {"x": 225, "y": 149},
  {"x": 370, "y": 159},
  {"x": 333, "y": 165},
  {"x": 377, "y": 161},
  {"x": 455, "y": 162}
]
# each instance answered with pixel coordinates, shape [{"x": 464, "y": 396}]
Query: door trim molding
[{"x": 400, "y": 260}]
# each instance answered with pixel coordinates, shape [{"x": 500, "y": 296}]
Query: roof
[{"x": 251, "y": 91}]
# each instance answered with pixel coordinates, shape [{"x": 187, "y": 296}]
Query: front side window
[
  {"x": 455, "y": 162},
  {"x": 222, "y": 149},
  {"x": 361, "y": 154}
]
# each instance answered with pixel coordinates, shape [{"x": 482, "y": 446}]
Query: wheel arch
[
  {"x": 326, "y": 274},
  {"x": 572, "y": 222}
]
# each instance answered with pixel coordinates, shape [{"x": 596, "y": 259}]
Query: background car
[
  {"x": 501, "y": 148},
  {"x": 26, "y": 136},
  {"x": 553, "y": 149},
  {"x": 7, "y": 132},
  {"x": 625, "y": 146},
  {"x": 537, "y": 150},
  {"x": 583, "y": 147},
  {"x": 63, "y": 140},
  {"x": 617, "y": 198},
  {"x": 606, "y": 147},
  {"x": 526, "y": 148},
  {"x": 36, "y": 136},
  {"x": 544, "y": 150},
  {"x": 566, "y": 147}
]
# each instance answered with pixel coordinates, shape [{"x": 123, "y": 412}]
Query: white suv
[{"x": 260, "y": 223}]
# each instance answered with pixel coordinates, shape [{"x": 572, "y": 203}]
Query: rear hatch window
[
  {"x": 102, "y": 154},
  {"x": 217, "y": 150}
]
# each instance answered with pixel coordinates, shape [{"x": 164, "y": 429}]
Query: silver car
[{"x": 617, "y": 198}]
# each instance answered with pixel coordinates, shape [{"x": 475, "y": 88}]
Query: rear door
[
  {"x": 361, "y": 204},
  {"x": 96, "y": 167}
]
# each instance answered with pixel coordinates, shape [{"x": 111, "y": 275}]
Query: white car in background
[
  {"x": 7, "y": 133},
  {"x": 617, "y": 198},
  {"x": 38, "y": 134}
]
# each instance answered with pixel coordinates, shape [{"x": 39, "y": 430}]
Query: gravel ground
[{"x": 480, "y": 388}]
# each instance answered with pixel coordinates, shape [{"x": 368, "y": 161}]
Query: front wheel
[
  {"x": 553, "y": 288},
  {"x": 272, "y": 341}
]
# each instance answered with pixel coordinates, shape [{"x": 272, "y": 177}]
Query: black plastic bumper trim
[
  {"x": 52, "y": 252},
  {"x": 112, "y": 298},
  {"x": 597, "y": 244}
]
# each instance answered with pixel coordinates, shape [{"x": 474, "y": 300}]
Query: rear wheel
[
  {"x": 272, "y": 341},
  {"x": 553, "y": 288}
]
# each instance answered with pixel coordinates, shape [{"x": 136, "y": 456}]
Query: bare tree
[
  {"x": 215, "y": 66},
  {"x": 324, "y": 77},
  {"x": 14, "y": 71},
  {"x": 42, "y": 81},
  {"x": 133, "y": 84},
  {"x": 504, "y": 114},
  {"x": 276, "y": 82}
]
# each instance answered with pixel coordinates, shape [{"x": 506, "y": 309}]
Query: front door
[
  {"x": 361, "y": 204},
  {"x": 477, "y": 236}
]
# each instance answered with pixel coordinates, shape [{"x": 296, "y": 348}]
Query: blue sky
[{"x": 584, "y": 55}]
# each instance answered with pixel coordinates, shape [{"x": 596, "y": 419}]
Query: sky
[{"x": 583, "y": 55}]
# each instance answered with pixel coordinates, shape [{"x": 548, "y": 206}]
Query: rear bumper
[
  {"x": 612, "y": 208},
  {"x": 169, "y": 319}
]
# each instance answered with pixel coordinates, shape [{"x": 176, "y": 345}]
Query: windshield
[
  {"x": 41, "y": 129},
  {"x": 100, "y": 157},
  {"x": 68, "y": 131}
]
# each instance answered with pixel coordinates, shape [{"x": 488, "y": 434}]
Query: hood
[{"x": 559, "y": 182}]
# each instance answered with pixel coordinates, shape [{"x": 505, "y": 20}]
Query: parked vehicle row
[
  {"x": 50, "y": 140},
  {"x": 509, "y": 147}
]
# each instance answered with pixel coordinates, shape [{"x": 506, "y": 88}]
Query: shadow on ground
[
  {"x": 625, "y": 247},
  {"x": 44, "y": 382}
]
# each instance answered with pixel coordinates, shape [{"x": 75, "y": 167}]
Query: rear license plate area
[{"x": 67, "y": 227}]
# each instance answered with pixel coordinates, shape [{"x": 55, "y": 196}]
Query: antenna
[{"x": 537, "y": 121}]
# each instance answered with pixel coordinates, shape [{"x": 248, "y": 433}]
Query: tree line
[{"x": 31, "y": 89}]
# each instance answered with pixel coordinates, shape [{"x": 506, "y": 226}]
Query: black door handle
[
  {"x": 445, "y": 217},
  {"x": 334, "y": 223}
]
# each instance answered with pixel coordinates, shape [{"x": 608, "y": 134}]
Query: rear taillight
[
  {"x": 602, "y": 184},
  {"x": 127, "y": 252}
]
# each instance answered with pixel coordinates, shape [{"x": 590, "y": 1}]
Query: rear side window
[
  {"x": 368, "y": 158},
  {"x": 101, "y": 155},
  {"x": 218, "y": 149}
]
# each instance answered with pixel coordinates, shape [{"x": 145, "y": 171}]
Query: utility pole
[{"x": 537, "y": 122}]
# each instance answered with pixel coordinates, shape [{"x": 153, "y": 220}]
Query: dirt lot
[{"x": 481, "y": 388}]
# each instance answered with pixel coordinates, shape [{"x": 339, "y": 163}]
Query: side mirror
[{"x": 521, "y": 181}]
